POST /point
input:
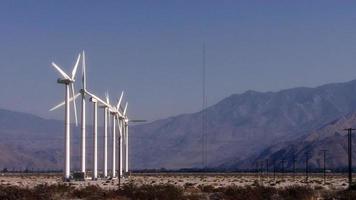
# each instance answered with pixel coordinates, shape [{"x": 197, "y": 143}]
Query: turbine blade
[
  {"x": 97, "y": 98},
  {"x": 107, "y": 97},
  {"x": 119, "y": 122},
  {"x": 63, "y": 102},
  {"x": 74, "y": 105},
  {"x": 75, "y": 67},
  {"x": 84, "y": 75},
  {"x": 137, "y": 120},
  {"x": 125, "y": 109},
  {"x": 57, "y": 106},
  {"x": 119, "y": 101},
  {"x": 60, "y": 71}
]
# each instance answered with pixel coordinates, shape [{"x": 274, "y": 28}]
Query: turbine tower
[
  {"x": 68, "y": 81},
  {"x": 105, "y": 153},
  {"x": 95, "y": 138},
  {"x": 113, "y": 175},
  {"x": 126, "y": 137},
  {"x": 83, "y": 125},
  {"x": 120, "y": 125},
  {"x": 115, "y": 116},
  {"x": 95, "y": 101},
  {"x": 125, "y": 128}
]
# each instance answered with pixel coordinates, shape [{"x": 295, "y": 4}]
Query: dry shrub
[
  {"x": 148, "y": 192},
  {"x": 39, "y": 192},
  {"x": 251, "y": 193},
  {"x": 207, "y": 188},
  {"x": 45, "y": 191},
  {"x": 166, "y": 192},
  {"x": 13, "y": 193},
  {"x": 92, "y": 192},
  {"x": 296, "y": 193},
  {"x": 266, "y": 193},
  {"x": 340, "y": 195}
]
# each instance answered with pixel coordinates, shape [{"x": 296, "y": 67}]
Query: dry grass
[{"x": 170, "y": 192}]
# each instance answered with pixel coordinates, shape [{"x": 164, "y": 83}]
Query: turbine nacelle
[
  {"x": 68, "y": 80},
  {"x": 64, "y": 81}
]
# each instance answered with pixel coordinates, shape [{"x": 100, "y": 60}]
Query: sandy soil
[{"x": 334, "y": 181}]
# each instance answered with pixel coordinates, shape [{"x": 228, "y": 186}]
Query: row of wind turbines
[{"x": 116, "y": 113}]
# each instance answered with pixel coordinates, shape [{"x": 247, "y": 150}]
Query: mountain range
[
  {"x": 241, "y": 129},
  {"x": 331, "y": 138},
  {"x": 241, "y": 126}
]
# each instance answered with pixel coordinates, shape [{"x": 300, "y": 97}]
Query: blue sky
[{"x": 153, "y": 50}]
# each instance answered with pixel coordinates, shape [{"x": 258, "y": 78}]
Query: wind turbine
[
  {"x": 95, "y": 138},
  {"x": 120, "y": 124},
  {"x": 83, "y": 92},
  {"x": 125, "y": 128},
  {"x": 106, "y": 112},
  {"x": 95, "y": 101},
  {"x": 126, "y": 138},
  {"x": 113, "y": 126},
  {"x": 68, "y": 81},
  {"x": 83, "y": 125},
  {"x": 115, "y": 113}
]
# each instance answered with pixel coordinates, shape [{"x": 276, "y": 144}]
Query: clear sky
[{"x": 153, "y": 50}]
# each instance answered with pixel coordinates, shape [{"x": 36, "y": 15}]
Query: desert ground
[
  {"x": 184, "y": 186},
  {"x": 216, "y": 180}
]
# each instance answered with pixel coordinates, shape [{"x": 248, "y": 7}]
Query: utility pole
[
  {"x": 262, "y": 170},
  {"x": 257, "y": 171},
  {"x": 324, "y": 155},
  {"x": 349, "y": 149},
  {"x": 267, "y": 169},
  {"x": 281, "y": 169},
  {"x": 274, "y": 171},
  {"x": 294, "y": 167},
  {"x": 306, "y": 167},
  {"x": 283, "y": 165}
]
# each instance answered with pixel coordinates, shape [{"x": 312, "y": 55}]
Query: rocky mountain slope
[
  {"x": 239, "y": 127},
  {"x": 332, "y": 137}
]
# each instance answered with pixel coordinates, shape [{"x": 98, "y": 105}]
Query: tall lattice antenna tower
[{"x": 204, "y": 115}]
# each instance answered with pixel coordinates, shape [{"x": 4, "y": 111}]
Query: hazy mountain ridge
[
  {"x": 239, "y": 127},
  {"x": 330, "y": 137}
]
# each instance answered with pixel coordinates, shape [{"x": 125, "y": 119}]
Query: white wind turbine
[
  {"x": 84, "y": 92},
  {"x": 115, "y": 113},
  {"x": 95, "y": 101},
  {"x": 83, "y": 124},
  {"x": 68, "y": 81},
  {"x": 95, "y": 138},
  {"x": 120, "y": 125},
  {"x": 106, "y": 113},
  {"x": 125, "y": 130},
  {"x": 126, "y": 138}
]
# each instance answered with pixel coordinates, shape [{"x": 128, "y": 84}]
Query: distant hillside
[
  {"x": 239, "y": 127},
  {"x": 28, "y": 141},
  {"x": 330, "y": 137}
]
